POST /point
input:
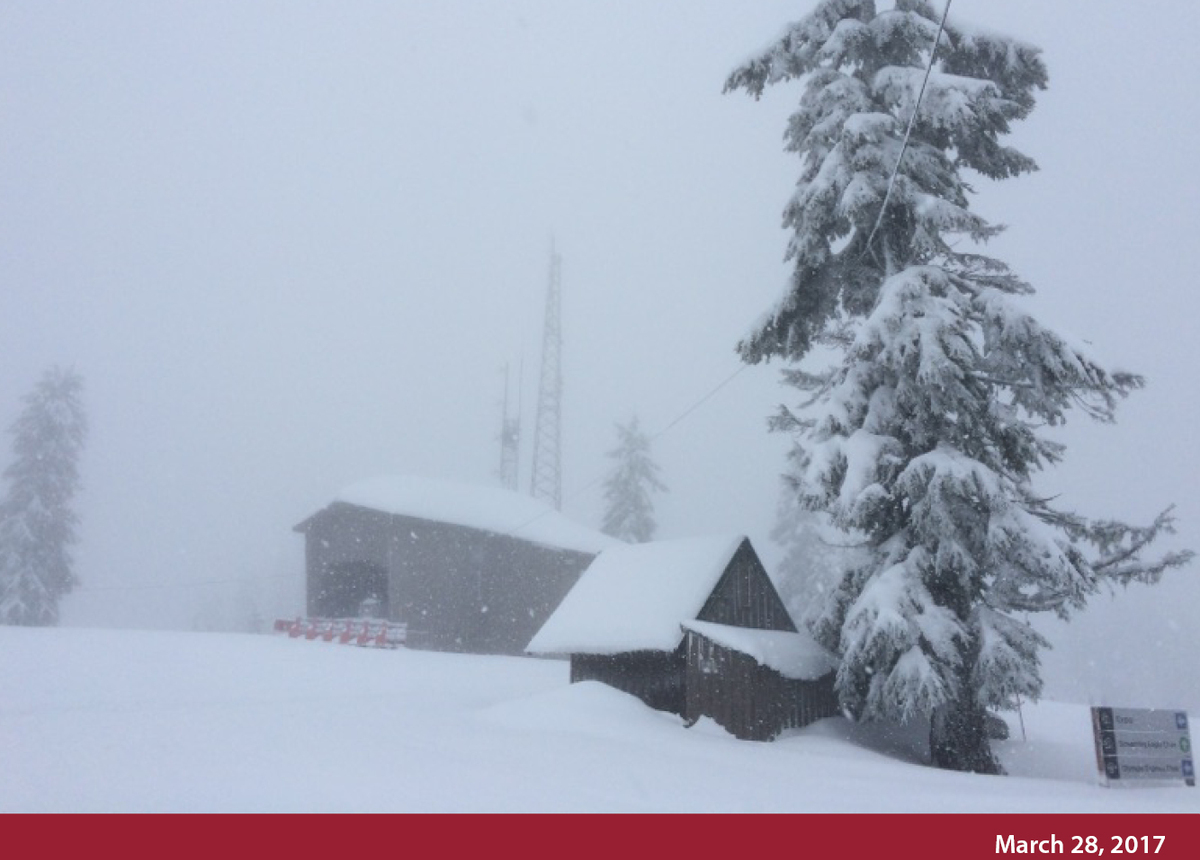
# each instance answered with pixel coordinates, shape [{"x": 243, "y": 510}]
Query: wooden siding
[
  {"x": 333, "y": 540},
  {"x": 457, "y": 588},
  {"x": 655, "y": 677},
  {"x": 745, "y": 596},
  {"x": 751, "y": 701}
]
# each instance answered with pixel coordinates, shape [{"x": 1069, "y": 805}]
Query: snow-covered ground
[{"x": 103, "y": 720}]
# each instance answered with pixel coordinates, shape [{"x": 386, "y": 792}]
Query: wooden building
[
  {"x": 756, "y": 683},
  {"x": 466, "y": 568},
  {"x": 695, "y": 627}
]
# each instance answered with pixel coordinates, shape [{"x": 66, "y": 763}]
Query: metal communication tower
[
  {"x": 546, "y": 480},
  {"x": 510, "y": 439}
]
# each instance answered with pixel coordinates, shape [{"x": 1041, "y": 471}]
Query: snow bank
[{"x": 141, "y": 721}]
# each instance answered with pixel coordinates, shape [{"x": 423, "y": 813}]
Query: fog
[{"x": 289, "y": 246}]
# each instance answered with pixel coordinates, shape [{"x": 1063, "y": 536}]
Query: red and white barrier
[{"x": 366, "y": 632}]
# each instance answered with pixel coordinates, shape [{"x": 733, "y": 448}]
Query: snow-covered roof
[
  {"x": 486, "y": 508},
  {"x": 633, "y": 597},
  {"x": 793, "y": 655}
]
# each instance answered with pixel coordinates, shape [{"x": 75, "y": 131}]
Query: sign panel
[{"x": 1141, "y": 744}]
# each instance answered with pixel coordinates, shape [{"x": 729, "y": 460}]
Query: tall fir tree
[
  {"x": 814, "y": 556},
  {"x": 629, "y": 514},
  {"x": 37, "y": 518},
  {"x": 922, "y": 434}
]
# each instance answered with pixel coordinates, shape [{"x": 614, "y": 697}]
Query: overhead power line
[{"x": 696, "y": 404}]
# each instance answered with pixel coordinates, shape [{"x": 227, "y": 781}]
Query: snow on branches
[
  {"x": 924, "y": 433},
  {"x": 861, "y": 72}
]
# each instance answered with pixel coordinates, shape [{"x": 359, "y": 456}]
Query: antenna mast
[
  {"x": 546, "y": 481},
  {"x": 510, "y": 439}
]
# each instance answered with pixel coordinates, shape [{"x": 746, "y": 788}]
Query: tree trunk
[{"x": 958, "y": 739}]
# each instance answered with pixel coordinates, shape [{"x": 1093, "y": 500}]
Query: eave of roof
[
  {"x": 794, "y": 655},
  {"x": 487, "y": 509}
]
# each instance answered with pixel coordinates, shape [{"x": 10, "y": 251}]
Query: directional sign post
[{"x": 1139, "y": 745}]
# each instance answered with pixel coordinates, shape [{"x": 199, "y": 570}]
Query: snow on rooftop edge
[
  {"x": 486, "y": 508},
  {"x": 793, "y": 655},
  {"x": 633, "y": 597}
]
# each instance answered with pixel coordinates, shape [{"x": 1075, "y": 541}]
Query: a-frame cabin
[{"x": 695, "y": 627}]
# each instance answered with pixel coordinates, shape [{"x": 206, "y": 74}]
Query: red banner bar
[{"x": 616, "y": 837}]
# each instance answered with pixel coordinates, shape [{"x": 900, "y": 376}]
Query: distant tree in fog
[
  {"x": 630, "y": 511},
  {"x": 37, "y": 519}
]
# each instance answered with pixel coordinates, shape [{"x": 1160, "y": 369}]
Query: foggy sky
[{"x": 290, "y": 246}]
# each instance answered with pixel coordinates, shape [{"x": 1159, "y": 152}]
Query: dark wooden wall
[
  {"x": 655, "y": 677},
  {"x": 337, "y": 539},
  {"x": 457, "y": 588},
  {"x": 751, "y": 701},
  {"x": 745, "y": 596}
]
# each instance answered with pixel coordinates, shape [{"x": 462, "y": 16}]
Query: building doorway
[{"x": 353, "y": 589}]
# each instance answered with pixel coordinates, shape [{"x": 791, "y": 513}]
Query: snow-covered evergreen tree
[
  {"x": 924, "y": 433},
  {"x": 629, "y": 514},
  {"x": 37, "y": 520},
  {"x": 815, "y": 554}
]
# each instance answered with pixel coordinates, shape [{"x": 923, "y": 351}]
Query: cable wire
[{"x": 911, "y": 120}]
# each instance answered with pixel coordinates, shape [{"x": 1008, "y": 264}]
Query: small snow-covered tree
[
  {"x": 37, "y": 520},
  {"x": 923, "y": 433},
  {"x": 629, "y": 514}
]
